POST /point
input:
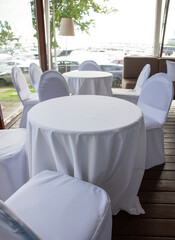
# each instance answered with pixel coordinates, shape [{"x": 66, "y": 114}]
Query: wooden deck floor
[{"x": 157, "y": 196}]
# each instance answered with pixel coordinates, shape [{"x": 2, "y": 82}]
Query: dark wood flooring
[{"x": 157, "y": 196}]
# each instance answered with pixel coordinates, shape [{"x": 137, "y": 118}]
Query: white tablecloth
[
  {"x": 89, "y": 82},
  {"x": 98, "y": 139}
]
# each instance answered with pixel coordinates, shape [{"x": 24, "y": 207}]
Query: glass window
[
  {"x": 169, "y": 41},
  {"x": 129, "y": 31},
  {"x": 18, "y": 46}
]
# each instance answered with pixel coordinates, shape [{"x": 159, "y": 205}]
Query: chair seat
[
  {"x": 126, "y": 94},
  {"x": 13, "y": 161},
  {"x": 132, "y": 95},
  {"x": 57, "y": 206},
  {"x": 11, "y": 142},
  {"x": 151, "y": 123}
]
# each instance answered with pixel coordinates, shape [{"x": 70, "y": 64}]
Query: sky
[
  {"x": 133, "y": 23},
  {"x": 18, "y": 14}
]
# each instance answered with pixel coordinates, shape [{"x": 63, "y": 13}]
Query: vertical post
[
  {"x": 157, "y": 28},
  {"x": 54, "y": 35},
  {"x": 66, "y": 53},
  {"x": 41, "y": 34},
  {"x": 1, "y": 119},
  {"x": 47, "y": 14},
  {"x": 164, "y": 25}
]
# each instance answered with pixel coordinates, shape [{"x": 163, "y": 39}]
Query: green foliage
[
  {"x": 33, "y": 11},
  {"x": 6, "y": 34},
  {"x": 7, "y": 37},
  {"x": 79, "y": 10}
]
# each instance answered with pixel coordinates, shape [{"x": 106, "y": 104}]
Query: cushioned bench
[{"x": 133, "y": 66}]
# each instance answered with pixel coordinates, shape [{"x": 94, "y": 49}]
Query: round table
[
  {"x": 89, "y": 82},
  {"x": 98, "y": 139}
]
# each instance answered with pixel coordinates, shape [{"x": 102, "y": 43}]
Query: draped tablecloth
[
  {"x": 89, "y": 82},
  {"x": 98, "y": 139}
]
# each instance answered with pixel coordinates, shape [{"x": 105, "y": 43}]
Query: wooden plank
[
  {"x": 170, "y": 152},
  {"x": 169, "y": 130},
  {"x": 163, "y": 175},
  {"x": 169, "y": 140},
  {"x": 144, "y": 227},
  {"x": 170, "y": 121},
  {"x": 170, "y": 159},
  {"x": 158, "y": 185},
  {"x": 169, "y": 125},
  {"x": 159, "y": 211},
  {"x": 157, "y": 197},
  {"x": 169, "y": 166},
  {"x": 169, "y": 145},
  {"x": 140, "y": 238},
  {"x": 169, "y": 135},
  {"x": 153, "y": 211}
]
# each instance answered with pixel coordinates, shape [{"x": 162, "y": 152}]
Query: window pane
[
  {"x": 169, "y": 42},
  {"x": 130, "y": 31},
  {"x": 18, "y": 47}
]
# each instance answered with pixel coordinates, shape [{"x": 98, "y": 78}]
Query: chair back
[
  {"x": 35, "y": 74},
  {"x": 52, "y": 84},
  {"x": 12, "y": 227},
  {"x": 20, "y": 84},
  {"x": 89, "y": 65},
  {"x": 156, "y": 96},
  {"x": 143, "y": 76},
  {"x": 53, "y": 203}
]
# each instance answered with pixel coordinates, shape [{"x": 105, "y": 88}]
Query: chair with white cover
[
  {"x": 132, "y": 95},
  {"x": 27, "y": 98},
  {"x": 53, "y": 205},
  {"x": 13, "y": 161},
  {"x": 155, "y": 100},
  {"x": 89, "y": 65},
  {"x": 52, "y": 84},
  {"x": 35, "y": 74}
]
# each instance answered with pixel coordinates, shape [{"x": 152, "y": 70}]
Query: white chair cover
[
  {"x": 89, "y": 65},
  {"x": 132, "y": 95},
  {"x": 52, "y": 84},
  {"x": 35, "y": 74},
  {"x": 12, "y": 227},
  {"x": 27, "y": 98},
  {"x": 155, "y": 100},
  {"x": 13, "y": 161},
  {"x": 57, "y": 206}
]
